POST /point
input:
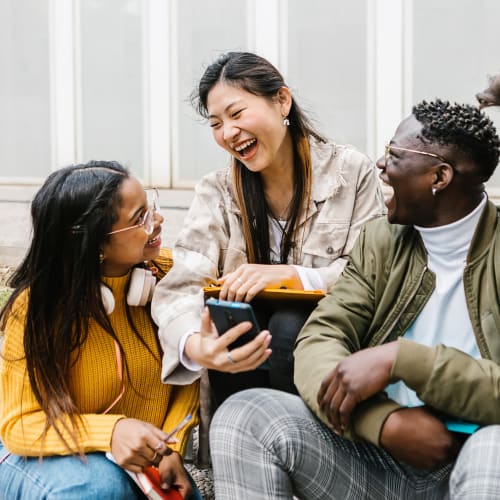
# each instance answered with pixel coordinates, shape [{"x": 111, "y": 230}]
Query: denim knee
[{"x": 64, "y": 477}]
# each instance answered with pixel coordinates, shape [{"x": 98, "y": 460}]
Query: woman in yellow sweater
[{"x": 80, "y": 365}]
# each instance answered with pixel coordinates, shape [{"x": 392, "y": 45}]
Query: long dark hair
[
  {"x": 258, "y": 76},
  {"x": 72, "y": 214}
]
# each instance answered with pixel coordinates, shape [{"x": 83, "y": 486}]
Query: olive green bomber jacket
[{"x": 383, "y": 288}]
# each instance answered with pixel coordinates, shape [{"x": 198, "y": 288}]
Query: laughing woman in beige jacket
[{"x": 284, "y": 215}]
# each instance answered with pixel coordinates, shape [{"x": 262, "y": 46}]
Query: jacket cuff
[
  {"x": 370, "y": 417},
  {"x": 173, "y": 371},
  {"x": 413, "y": 364}
]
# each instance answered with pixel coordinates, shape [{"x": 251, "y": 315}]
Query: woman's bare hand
[
  {"x": 210, "y": 350},
  {"x": 248, "y": 280},
  {"x": 136, "y": 444},
  {"x": 174, "y": 475}
]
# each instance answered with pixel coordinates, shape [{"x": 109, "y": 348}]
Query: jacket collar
[
  {"x": 484, "y": 232},
  {"x": 326, "y": 181},
  {"x": 481, "y": 239}
]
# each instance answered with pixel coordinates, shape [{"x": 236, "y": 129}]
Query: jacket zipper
[{"x": 410, "y": 298}]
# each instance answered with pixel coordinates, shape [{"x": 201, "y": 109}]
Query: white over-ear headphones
[{"x": 140, "y": 292}]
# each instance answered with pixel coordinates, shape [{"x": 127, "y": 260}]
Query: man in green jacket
[{"x": 400, "y": 362}]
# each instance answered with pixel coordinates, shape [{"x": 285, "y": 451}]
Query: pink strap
[{"x": 120, "y": 376}]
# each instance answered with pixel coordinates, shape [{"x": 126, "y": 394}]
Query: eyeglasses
[
  {"x": 388, "y": 148},
  {"x": 147, "y": 219}
]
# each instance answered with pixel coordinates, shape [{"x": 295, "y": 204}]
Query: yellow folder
[{"x": 274, "y": 294}]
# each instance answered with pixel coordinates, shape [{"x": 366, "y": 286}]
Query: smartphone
[{"x": 226, "y": 314}]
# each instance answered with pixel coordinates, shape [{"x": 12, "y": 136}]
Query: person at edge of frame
[{"x": 80, "y": 363}]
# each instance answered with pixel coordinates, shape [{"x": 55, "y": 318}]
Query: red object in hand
[{"x": 156, "y": 491}]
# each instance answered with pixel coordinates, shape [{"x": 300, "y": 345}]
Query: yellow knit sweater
[{"x": 94, "y": 383}]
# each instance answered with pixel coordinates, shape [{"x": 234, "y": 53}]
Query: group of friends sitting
[{"x": 387, "y": 388}]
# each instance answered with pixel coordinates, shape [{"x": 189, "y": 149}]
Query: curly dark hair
[{"x": 463, "y": 127}]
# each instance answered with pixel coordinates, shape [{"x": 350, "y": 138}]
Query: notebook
[
  {"x": 461, "y": 426},
  {"x": 274, "y": 294},
  {"x": 149, "y": 482}
]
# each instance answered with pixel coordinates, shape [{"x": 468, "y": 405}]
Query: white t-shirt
[{"x": 311, "y": 279}]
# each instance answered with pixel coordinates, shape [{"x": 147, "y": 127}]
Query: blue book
[{"x": 461, "y": 426}]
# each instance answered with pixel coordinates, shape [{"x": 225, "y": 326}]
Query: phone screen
[{"x": 226, "y": 314}]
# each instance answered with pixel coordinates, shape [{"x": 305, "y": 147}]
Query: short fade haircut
[{"x": 465, "y": 128}]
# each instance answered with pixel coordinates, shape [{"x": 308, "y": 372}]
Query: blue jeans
[{"x": 67, "y": 478}]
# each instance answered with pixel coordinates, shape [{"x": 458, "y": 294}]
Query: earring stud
[
  {"x": 286, "y": 122},
  {"x": 434, "y": 191}
]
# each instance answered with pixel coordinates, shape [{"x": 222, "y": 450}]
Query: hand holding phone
[{"x": 226, "y": 314}]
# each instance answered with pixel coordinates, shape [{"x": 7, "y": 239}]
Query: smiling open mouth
[{"x": 246, "y": 148}]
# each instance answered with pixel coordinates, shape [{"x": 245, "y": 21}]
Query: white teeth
[
  {"x": 154, "y": 240},
  {"x": 244, "y": 145}
]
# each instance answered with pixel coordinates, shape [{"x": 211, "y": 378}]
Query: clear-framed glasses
[
  {"x": 389, "y": 147},
  {"x": 147, "y": 219}
]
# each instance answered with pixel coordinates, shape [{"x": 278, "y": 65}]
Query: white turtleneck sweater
[{"x": 444, "y": 318}]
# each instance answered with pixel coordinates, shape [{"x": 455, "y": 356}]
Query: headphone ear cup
[
  {"x": 108, "y": 299},
  {"x": 142, "y": 285}
]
